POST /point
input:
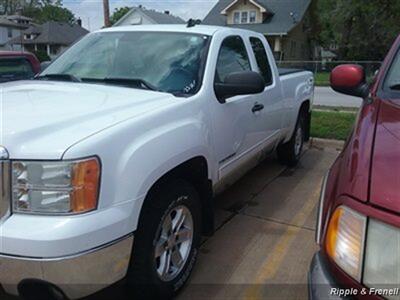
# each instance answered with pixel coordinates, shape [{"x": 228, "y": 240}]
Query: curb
[{"x": 326, "y": 143}]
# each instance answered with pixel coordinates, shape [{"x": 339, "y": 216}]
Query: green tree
[
  {"x": 42, "y": 55},
  {"x": 10, "y": 7},
  {"x": 118, "y": 14},
  {"x": 362, "y": 30},
  {"x": 51, "y": 12},
  {"x": 39, "y": 10}
]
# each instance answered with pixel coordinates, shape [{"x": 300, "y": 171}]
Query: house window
[
  {"x": 236, "y": 17},
  {"x": 9, "y": 32},
  {"x": 244, "y": 18},
  {"x": 253, "y": 15}
]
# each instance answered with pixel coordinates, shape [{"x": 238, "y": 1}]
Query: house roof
[
  {"x": 18, "y": 17},
  {"x": 59, "y": 33},
  {"x": 327, "y": 54},
  {"x": 5, "y": 22},
  {"x": 284, "y": 16},
  {"x": 156, "y": 16}
]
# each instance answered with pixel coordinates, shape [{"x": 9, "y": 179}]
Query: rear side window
[
  {"x": 15, "y": 69},
  {"x": 232, "y": 58},
  {"x": 262, "y": 59}
]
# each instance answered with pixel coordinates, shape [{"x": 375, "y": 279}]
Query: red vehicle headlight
[{"x": 344, "y": 241}]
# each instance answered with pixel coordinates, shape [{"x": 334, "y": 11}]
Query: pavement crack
[{"x": 277, "y": 221}]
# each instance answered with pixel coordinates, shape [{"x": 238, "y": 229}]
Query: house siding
[
  {"x": 283, "y": 25},
  {"x": 4, "y": 38},
  {"x": 296, "y": 44},
  {"x": 244, "y": 6},
  {"x": 136, "y": 18}
]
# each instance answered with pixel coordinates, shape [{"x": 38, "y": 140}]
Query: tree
[
  {"x": 9, "y": 7},
  {"x": 118, "y": 14},
  {"x": 362, "y": 30},
  {"x": 39, "y": 10},
  {"x": 51, "y": 12},
  {"x": 42, "y": 55}
]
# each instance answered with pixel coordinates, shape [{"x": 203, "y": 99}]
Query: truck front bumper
[{"x": 76, "y": 276}]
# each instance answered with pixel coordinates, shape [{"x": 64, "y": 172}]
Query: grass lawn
[
  {"x": 332, "y": 124},
  {"x": 322, "y": 79}
]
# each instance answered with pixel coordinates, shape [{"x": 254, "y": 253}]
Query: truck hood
[
  {"x": 385, "y": 172},
  {"x": 42, "y": 119}
]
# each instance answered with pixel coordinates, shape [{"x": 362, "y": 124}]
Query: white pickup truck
[{"x": 111, "y": 157}]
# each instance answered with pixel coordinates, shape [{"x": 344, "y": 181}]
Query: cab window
[
  {"x": 232, "y": 58},
  {"x": 15, "y": 69},
  {"x": 264, "y": 67}
]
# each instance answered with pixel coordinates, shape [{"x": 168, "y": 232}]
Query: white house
[
  {"x": 10, "y": 28},
  {"x": 142, "y": 16}
]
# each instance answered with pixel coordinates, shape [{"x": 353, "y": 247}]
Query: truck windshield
[
  {"x": 15, "y": 69},
  {"x": 162, "y": 61},
  {"x": 393, "y": 78}
]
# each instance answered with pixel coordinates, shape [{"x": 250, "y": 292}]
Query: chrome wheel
[
  {"x": 298, "y": 142},
  {"x": 173, "y": 243}
]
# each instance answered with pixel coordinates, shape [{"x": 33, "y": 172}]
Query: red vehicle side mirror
[{"x": 350, "y": 80}]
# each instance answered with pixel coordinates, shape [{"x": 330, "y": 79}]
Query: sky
[{"x": 91, "y": 11}]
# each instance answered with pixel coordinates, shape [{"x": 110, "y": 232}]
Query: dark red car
[
  {"x": 358, "y": 228},
  {"x": 18, "y": 66}
]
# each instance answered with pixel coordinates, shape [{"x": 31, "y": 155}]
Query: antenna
[{"x": 193, "y": 22}]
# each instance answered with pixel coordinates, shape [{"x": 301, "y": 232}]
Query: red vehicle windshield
[{"x": 15, "y": 68}]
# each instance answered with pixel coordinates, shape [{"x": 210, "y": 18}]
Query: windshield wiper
[
  {"x": 128, "y": 82},
  {"x": 59, "y": 77}
]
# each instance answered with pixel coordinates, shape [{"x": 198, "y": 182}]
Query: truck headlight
[
  {"x": 55, "y": 187},
  {"x": 382, "y": 258},
  {"x": 345, "y": 240}
]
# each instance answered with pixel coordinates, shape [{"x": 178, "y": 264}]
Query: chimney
[
  {"x": 79, "y": 22},
  {"x": 166, "y": 12}
]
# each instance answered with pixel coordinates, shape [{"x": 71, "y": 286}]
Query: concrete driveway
[
  {"x": 328, "y": 97},
  {"x": 265, "y": 240},
  {"x": 265, "y": 237}
]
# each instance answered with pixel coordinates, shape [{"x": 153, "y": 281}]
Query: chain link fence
[{"x": 322, "y": 69}]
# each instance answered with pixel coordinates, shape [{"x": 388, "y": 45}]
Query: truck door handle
[{"x": 257, "y": 107}]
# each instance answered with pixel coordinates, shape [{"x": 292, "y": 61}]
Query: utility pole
[{"x": 106, "y": 8}]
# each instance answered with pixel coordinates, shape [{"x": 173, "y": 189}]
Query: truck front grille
[{"x": 4, "y": 189}]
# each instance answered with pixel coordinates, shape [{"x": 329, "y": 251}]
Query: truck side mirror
[
  {"x": 239, "y": 83},
  {"x": 350, "y": 80}
]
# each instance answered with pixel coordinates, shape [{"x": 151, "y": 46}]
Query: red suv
[
  {"x": 18, "y": 66},
  {"x": 358, "y": 227}
]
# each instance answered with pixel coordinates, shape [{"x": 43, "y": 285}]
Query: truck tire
[
  {"x": 166, "y": 242},
  {"x": 290, "y": 152}
]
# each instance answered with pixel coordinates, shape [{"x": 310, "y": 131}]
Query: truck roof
[
  {"x": 15, "y": 53},
  {"x": 198, "y": 29}
]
